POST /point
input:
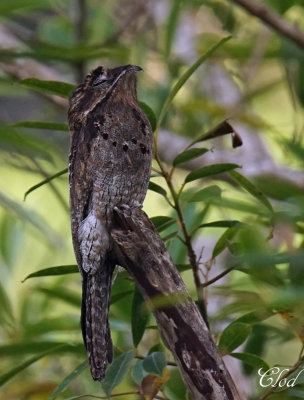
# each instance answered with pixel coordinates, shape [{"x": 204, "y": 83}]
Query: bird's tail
[{"x": 96, "y": 292}]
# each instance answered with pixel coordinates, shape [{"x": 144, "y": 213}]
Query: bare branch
[{"x": 275, "y": 21}]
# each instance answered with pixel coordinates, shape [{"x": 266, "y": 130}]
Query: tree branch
[
  {"x": 273, "y": 19},
  {"x": 138, "y": 247}
]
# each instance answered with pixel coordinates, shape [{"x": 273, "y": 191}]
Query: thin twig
[
  {"x": 171, "y": 363},
  {"x": 274, "y": 20},
  {"x": 216, "y": 278},
  {"x": 187, "y": 238}
]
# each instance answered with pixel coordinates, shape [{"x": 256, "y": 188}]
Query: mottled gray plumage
[{"x": 110, "y": 162}]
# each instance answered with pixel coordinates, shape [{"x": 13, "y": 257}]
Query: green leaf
[
  {"x": 61, "y": 89},
  {"x": 233, "y": 336},
  {"x": 69, "y": 296},
  {"x": 188, "y": 155},
  {"x": 48, "y": 325},
  {"x": 6, "y": 310},
  {"x": 251, "y": 188},
  {"x": 70, "y": 54},
  {"x": 116, "y": 372},
  {"x": 183, "y": 79},
  {"x": 221, "y": 224},
  {"x": 252, "y": 360},
  {"x": 156, "y": 188},
  {"x": 45, "y": 181},
  {"x": 29, "y": 216},
  {"x": 254, "y": 317},
  {"x": 183, "y": 267},
  {"x": 46, "y": 51},
  {"x": 205, "y": 194},
  {"x": 54, "y": 271},
  {"x": 210, "y": 170},
  {"x": 139, "y": 317},
  {"x": 65, "y": 383},
  {"x": 121, "y": 295},
  {"x": 13, "y": 6},
  {"x": 150, "y": 114},
  {"x": 54, "y": 126},
  {"x": 26, "y": 348},
  {"x": 138, "y": 372},
  {"x": 223, "y": 241},
  {"x": 155, "y": 363},
  {"x": 162, "y": 222},
  {"x": 25, "y": 143},
  {"x": 172, "y": 24},
  {"x": 14, "y": 371}
]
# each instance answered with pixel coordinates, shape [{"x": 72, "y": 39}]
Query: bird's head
[{"x": 102, "y": 84}]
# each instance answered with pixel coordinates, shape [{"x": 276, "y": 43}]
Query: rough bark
[{"x": 138, "y": 248}]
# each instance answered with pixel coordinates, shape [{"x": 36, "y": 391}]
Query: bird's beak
[{"x": 134, "y": 68}]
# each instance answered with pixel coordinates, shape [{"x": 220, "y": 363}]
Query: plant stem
[
  {"x": 187, "y": 240},
  {"x": 292, "y": 369},
  {"x": 216, "y": 278},
  {"x": 171, "y": 363}
]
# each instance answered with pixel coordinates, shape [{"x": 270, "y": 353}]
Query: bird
[{"x": 110, "y": 157}]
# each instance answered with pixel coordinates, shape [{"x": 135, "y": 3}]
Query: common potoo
[{"x": 109, "y": 165}]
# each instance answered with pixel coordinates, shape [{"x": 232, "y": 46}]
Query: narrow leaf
[
  {"x": 172, "y": 23},
  {"x": 54, "y": 126},
  {"x": 183, "y": 267},
  {"x": 121, "y": 295},
  {"x": 210, "y": 170},
  {"x": 47, "y": 325},
  {"x": 29, "y": 216},
  {"x": 116, "y": 372},
  {"x": 139, "y": 317},
  {"x": 206, "y": 194},
  {"x": 45, "y": 181},
  {"x": 183, "y": 79},
  {"x": 65, "y": 383},
  {"x": 69, "y": 296},
  {"x": 27, "y": 347},
  {"x": 251, "y": 188},
  {"x": 254, "y": 317},
  {"x": 224, "y": 128},
  {"x": 233, "y": 336},
  {"x": 25, "y": 143},
  {"x": 189, "y": 155},
  {"x": 156, "y": 188},
  {"x": 13, "y": 6},
  {"x": 221, "y": 224},
  {"x": 6, "y": 309},
  {"x": 14, "y": 371},
  {"x": 223, "y": 241},
  {"x": 53, "y": 271},
  {"x": 162, "y": 222},
  {"x": 61, "y": 89},
  {"x": 251, "y": 359},
  {"x": 150, "y": 114},
  {"x": 155, "y": 363}
]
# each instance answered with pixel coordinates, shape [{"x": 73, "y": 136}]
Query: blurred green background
[{"x": 256, "y": 80}]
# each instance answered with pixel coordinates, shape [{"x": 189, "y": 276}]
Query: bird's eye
[{"x": 99, "y": 80}]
